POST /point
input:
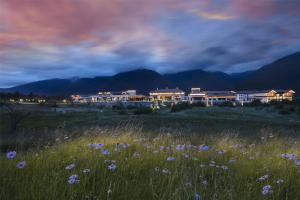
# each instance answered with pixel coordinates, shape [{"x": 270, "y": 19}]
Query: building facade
[
  {"x": 264, "y": 96},
  {"x": 210, "y": 98},
  {"x": 167, "y": 95},
  {"x": 217, "y": 97},
  {"x": 196, "y": 95}
]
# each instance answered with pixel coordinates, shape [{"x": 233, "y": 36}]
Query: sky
[{"x": 43, "y": 39}]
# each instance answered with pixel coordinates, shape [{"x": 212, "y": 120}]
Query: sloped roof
[
  {"x": 253, "y": 91},
  {"x": 220, "y": 93},
  {"x": 176, "y": 90}
]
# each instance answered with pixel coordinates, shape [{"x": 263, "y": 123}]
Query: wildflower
[
  {"x": 204, "y": 182},
  {"x": 280, "y": 181},
  {"x": 86, "y": 171},
  {"x": 109, "y": 161},
  {"x": 171, "y": 159},
  {"x": 224, "y": 167},
  {"x": 125, "y": 146},
  {"x": 105, "y": 152},
  {"x": 186, "y": 156},
  {"x": 96, "y": 146},
  {"x": 251, "y": 158},
  {"x": 204, "y": 147},
  {"x": 165, "y": 171},
  {"x": 237, "y": 146},
  {"x": 190, "y": 146},
  {"x": 112, "y": 167},
  {"x": 180, "y": 147},
  {"x": 197, "y": 197},
  {"x": 11, "y": 154},
  {"x": 290, "y": 156},
  {"x": 211, "y": 164},
  {"x": 267, "y": 189},
  {"x": 298, "y": 163},
  {"x": 220, "y": 152},
  {"x": 161, "y": 148},
  {"x": 188, "y": 184},
  {"x": 202, "y": 165},
  {"x": 136, "y": 154},
  {"x": 264, "y": 177},
  {"x": 71, "y": 166},
  {"x": 21, "y": 164},
  {"x": 73, "y": 179}
]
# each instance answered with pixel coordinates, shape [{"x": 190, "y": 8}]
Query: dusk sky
[{"x": 42, "y": 39}]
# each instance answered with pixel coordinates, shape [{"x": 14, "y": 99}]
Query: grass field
[{"x": 201, "y": 153}]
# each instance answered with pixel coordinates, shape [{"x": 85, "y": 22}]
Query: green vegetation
[
  {"x": 216, "y": 152},
  {"x": 143, "y": 111},
  {"x": 180, "y": 106}
]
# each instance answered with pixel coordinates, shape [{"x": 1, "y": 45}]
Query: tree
[{"x": 15, "y": 116}]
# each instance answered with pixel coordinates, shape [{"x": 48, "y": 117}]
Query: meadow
[{"x": 199, "y": 153}]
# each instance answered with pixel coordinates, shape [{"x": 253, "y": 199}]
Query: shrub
[
  {"x": 118, "y": 107},
  {"x": 254, "y": 103},
  {"x": 198, "y": 104},
  {"x": 284, "y": 112},
  {"x": 122, "y": 112},
  {"x": 131, "y": 107},
  {"x": 298, "y": 111},
  {"x": 180, "y": 106},
  {"x": 226, "y": 104},
  {"x": 143, "y": 111},
  {"x": 292, "y": 109},
  {"x": 278, "y": 106}
]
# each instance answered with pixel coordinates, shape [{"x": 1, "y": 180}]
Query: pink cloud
[
  {"x": 69, "y": 21},
  {"x": 255, "y": 9}
]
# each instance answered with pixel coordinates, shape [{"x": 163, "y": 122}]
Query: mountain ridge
[{"x": 283, "y": 73}]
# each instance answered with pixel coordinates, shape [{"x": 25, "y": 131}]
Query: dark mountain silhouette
[
  {"x": 282, "y": 74},
  {"x": 199, "y": 78},
  {"x": 142, "y": 80}
]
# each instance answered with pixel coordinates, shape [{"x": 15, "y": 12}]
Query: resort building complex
[{"x": 196, "y": 95}]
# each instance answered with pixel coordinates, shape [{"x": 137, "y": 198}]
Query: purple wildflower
[
  {"x": 73, "y": 179},
  {"x": 11, "y": 154},
  {"x": 21, "y": 164},
  {"x": 105, "y": 152},
  {"x": 71, "y": 166},
  {"x": 204, "y": 147},
  {"x": 112, "y": 167},
  {"x": 267, "y": 189},
  {"x": 171, "y": 158},
  {"x": 180, "y": 147},
  {"x": 197, "y": 197},
  {"x": 264, "y": 177}
]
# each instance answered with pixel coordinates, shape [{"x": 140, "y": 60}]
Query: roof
[
  {"x": 263, "y": 91},
  {"x": 176, "y": 90},
  {"x": 220, "y": 93},
  {"x": 284, "y": 91},
  {"x": 253, "y": 91}
]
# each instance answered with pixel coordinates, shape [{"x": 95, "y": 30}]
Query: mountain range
[{"x": 281, "y": 74}]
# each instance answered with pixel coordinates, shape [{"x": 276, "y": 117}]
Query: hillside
[{"x": 281, "y": 74}]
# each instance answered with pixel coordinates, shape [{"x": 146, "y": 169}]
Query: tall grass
[{"x": 229, "y": 169}]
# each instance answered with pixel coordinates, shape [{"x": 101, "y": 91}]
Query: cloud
[
  {"x": 215, "y": 16},
  {"x": 63, "y": 38}
]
